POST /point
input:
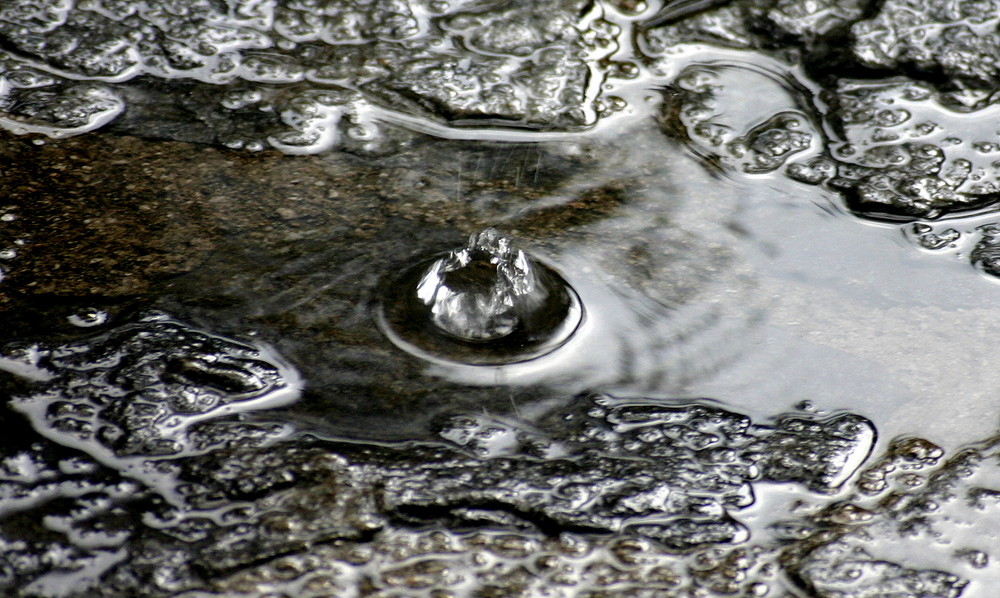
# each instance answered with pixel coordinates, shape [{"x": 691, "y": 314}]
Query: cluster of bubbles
[
  {"x": 150, "y": 479},
  {"x": 302, "y": 76},
  {"x": 305, "y": 77},
  {"x": 10, "y": 244},
  {"x": 145, "y": 420}
]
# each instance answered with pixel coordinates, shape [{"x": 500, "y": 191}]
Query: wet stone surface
[
  {"x": 300, "y": 76},
  {"x": 924, "y": 490},
  {"x": 212, "y": 492},
  {"x": 900, "y": 116},
  {"x": 139, "y": 389},
  {"x": 901, "y": 155},
  {"x": 905, "y": 153},
  {"x": 197, "y": 400},
  {"x": 248, "y": 509},
  {"x": 304, "y": 79},
  {"x": 349, "y": 515},
  {"x": 953, "y": 43}
]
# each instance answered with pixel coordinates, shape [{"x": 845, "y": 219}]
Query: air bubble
[
  {"x": 930, "y": 239},
  {"x": 27, "y": 79},
  {"x": 79, "y": 109},
  {"x": 236, "y": 99},
  {"x": 485, "y": 303},
  {"x": 360, "y": 133}
]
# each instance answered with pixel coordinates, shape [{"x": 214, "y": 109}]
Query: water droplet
[
  {"x": 88, "y": 317},
  {"x": 241, "y": 98},
  {"x": 485, "y": 303}
]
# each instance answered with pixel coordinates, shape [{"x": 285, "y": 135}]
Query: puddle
[
  {"x": 694, "y": 286},
  {"x": 569, "y": 298}
]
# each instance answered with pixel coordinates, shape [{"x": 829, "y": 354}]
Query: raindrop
[
  {"x": 88, "y": 317},
  {"x": 486, "y": 303}
]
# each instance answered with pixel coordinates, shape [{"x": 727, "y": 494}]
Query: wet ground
[{"x": 733, "y": 334}]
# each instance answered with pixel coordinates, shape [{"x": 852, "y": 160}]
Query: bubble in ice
[{"x": 486, "y": 303}]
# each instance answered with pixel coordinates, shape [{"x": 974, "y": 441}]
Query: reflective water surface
[{"x": 561, "y": 298}]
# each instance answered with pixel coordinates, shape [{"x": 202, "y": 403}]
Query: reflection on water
[
  {"x": 749, "y": 291},
  {"x": 692, "y": 285},
  {"x": 695, "y": 222}
]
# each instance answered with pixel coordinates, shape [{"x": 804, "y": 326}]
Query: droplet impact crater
[{"x": 486, "y": 303}]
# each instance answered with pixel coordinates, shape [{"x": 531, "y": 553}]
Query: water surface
[{"x": 784, "y": 251}]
